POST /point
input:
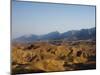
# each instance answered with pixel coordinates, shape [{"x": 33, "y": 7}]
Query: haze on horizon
[{"x": 43, "y": 18}]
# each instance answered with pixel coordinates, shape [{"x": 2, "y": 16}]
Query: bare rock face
[
  {"x": 48, "y": 57},
  {"x": 49, "y": 65},
  {"x": 61, "y": 51}
]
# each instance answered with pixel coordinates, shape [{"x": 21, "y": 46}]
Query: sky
[{"x": 42, "y": 18}]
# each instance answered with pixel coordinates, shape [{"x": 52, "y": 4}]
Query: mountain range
[{"x": 72, "y": 35}]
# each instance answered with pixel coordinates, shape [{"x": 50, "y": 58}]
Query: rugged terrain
[{"x": 53, "y": 55}]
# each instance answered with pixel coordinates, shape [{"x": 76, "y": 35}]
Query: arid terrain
[
  {"x": 51, "y": 56},
  {"x": 52, "y": 37}
]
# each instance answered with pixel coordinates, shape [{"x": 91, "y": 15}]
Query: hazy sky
[{"x": 42, "y": 18}]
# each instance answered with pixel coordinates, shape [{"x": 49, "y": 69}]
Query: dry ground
[{"x": 53, "y": 56}]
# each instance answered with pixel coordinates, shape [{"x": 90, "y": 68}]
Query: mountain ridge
[{"x": 83, "y": 34}]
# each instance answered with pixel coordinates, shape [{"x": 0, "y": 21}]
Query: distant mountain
[
  {"x": 50, "y": 36},
  {"x": 26, "y": 38},
  {"x": 83, "y": 34}
]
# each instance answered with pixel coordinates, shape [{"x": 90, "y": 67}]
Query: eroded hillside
[{"x": 53, "y": 56}]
